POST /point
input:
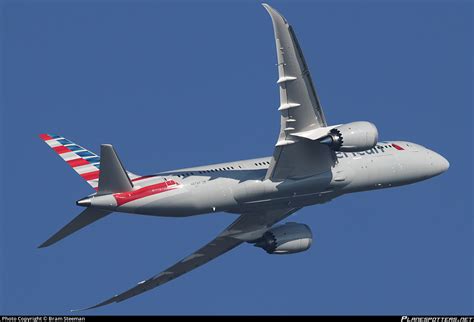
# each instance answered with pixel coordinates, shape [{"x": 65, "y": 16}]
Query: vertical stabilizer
[{"x": 85, "y": 162}]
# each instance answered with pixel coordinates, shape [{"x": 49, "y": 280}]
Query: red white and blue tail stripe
[{"x": 83, "y": 161}]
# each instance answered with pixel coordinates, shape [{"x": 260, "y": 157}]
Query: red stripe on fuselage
[
  {"x": 143, "y": 178},
  {"x": 61, "y": 149},
  {"x": 77, "y": 162},
  {"x": 125, "y": 197}
]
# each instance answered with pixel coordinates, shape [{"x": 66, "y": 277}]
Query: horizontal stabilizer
[
  {"x": 85, "y": 218},
  {"x": 113, "y": 177}
]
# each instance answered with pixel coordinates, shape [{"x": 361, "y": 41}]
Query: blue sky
[{"x": 177, "y": 84}]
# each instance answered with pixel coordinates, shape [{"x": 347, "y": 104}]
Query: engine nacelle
[
  {"x": 286, "y": 239},
  {"x": 352, "y": 137}
]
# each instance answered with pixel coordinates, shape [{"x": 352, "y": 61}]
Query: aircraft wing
[
  {"x": 301, "y": 111},
  {"x": 249, "y": 226}
]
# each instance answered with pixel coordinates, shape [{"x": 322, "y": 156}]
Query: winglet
[
  {"x": 273, "y": 13},
  {"x": 78, "y": 310}
]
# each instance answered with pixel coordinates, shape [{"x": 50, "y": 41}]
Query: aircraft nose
[{"x": 439, "y": 163}]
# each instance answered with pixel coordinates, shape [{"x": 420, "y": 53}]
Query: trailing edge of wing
[
  {"x": 246, "y": 227},
  {"x": 301, "y": 114}
]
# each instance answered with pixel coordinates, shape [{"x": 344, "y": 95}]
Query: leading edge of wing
[{"x": 246, "y": 227}]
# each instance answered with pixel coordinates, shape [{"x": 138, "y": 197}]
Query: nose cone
[
  {"x": 439, "y": 163},
  {"x": 444, "y": 164}
]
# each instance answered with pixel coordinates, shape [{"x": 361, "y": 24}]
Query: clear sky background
[{"x": 178, "y": 84}]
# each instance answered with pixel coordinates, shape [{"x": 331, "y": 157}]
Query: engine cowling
[
  {"x": 286, "y": 239},
  {"x": 352, "y": 137}
]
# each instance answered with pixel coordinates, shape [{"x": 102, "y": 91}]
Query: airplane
[{"x": 312, "y": 163}]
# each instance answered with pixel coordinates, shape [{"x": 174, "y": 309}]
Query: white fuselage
[{"x": 240, "y": 186}]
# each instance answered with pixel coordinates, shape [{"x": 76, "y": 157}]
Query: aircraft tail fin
[
  {"x": 86, "y": 163},
  {"x": 113, "y": 177},
  {"x": 87, "y": 217}
]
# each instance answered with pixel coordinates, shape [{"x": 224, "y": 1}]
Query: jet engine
[
  {"x": 286, "y": 239},
  {"x": 352, "y": 137}
]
